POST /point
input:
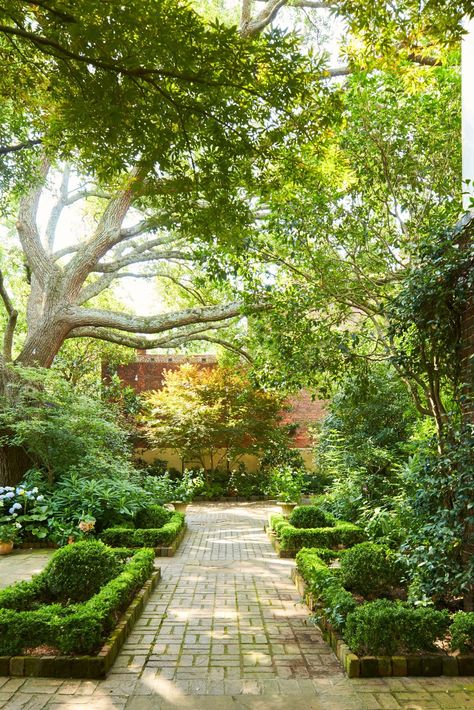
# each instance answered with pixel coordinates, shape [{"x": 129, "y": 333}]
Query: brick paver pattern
[{"x": 225, "y": 628}]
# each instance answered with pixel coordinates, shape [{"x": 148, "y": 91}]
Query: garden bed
[
  {"x": 420, "y": 663},
  {"x": 88, "y": 666},
  {"x": 164, "y": 539},
  {"x": 48, "y": 631},
  {"x": 287, "y": 539}
]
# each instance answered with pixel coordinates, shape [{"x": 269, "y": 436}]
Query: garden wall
[
  {"x": 147, "y": 374},
  {"x": 173, "y": 460}
]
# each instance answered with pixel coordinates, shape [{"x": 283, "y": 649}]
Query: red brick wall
[
  {"x": 305, "y": 412},
  {"x": 147, "y": 373}
]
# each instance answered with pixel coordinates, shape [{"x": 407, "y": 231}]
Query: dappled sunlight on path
[{"x": 225, "y": 628}]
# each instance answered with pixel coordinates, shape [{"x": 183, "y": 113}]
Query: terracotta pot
[
  {"x": 287, "y": 508},
  {"x": 180, "y": 506},
  {"x": 5, "y": 547}
]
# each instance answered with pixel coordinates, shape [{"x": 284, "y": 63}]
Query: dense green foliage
[
  {"x": 26, "y": 621},
  {"x": 439, "y": 508},
  {"x": 63, "y": 431},
  {"x": 371, "y": 570},
  {"x": 385, "y": 628},
  {"x": 462, "y": 632},
  {"x": 145, "y": 537},
  {"x": 293, "y": 539},
  {"x": 153, "y": 516},
  {"x": 285, "y": 483},
  {"x": 77, "y": 572},
  {"x": 380, "y": 627},
  {"x": 425, "y": 322},
  {"x": 363, "y": 439},
  {"x": 162, "y": 62},
  {"x": 310, "y": 516}
]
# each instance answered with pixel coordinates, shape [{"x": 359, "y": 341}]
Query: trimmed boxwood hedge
[
  {"x": 155, "y": 516},
  {"x": 148, "y": 537},
  {"x": 384, "y": 628},
  {"x": 27, "y": 620},
  {"x": 462, "y": 631},
  {"x": 325, "y": 584},
  {"x": 381, "y": 627},
  {"x": 371, "y": 569},
  {"x": 292, "y": 539},
  {"x": 311, "y": 516}
]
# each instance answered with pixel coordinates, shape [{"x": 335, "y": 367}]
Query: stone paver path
[
  {"x": 225, "y": 629},
  {"x": 21, "y": 564}
]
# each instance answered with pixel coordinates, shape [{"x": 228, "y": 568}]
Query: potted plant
[
  {"x": 8, "y": 534},
  {"x": 184, "y": 491},
  {"x": 286, "y": 484}
]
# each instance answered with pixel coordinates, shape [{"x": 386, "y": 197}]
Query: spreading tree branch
[
  {"x": 56, "y": 211},
  {"x": 78, "y": 317},
  {"x": 106, "y": 236},
  {"x": 12, "y": 319},
  {"x": 143, "y": 256},
  {"x": 38, "y": 260},
  {"x": 141, "y": 342},
  {"x": 6, "y": 149}
]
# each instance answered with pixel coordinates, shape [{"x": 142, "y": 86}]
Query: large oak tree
[{"x": 182, "y": 118}]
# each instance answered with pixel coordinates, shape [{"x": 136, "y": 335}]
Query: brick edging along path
[{"x": 226, "y": 622}]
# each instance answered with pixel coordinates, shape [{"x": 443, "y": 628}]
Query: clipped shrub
[
  {"x": 325, "y": 584},
  {"x": 22, "y": 595},
  {"x": 370, "y": 569},
  {"x": 310, "y": 516},
  {"x": 293, "y": 539},
  {"x": 314, "y": 570},
  {"x": 77, "y": 572},
  {"x": 75, "y": 628},
  {"x": 154, "y": 516},
  {"x": 462, "y": 631},
  {"x": 24, "y": 628},
  {"x": 385, "y": 628},
  {"x": 145, "y": 537}
]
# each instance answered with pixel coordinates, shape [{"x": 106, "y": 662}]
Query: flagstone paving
[
  {"x": 21, "y": 564},
  {"x": 225, "y": 628}
]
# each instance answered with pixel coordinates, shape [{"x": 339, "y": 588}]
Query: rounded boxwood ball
[
  {"x": 77, "y": 572},
  {"x": 154, "y": 516},
  {"x": 369, "y": 569},
  {"x": 310, "y": 516}
]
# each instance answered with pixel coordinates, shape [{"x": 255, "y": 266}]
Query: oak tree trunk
[{"x": 14, "y": 463}]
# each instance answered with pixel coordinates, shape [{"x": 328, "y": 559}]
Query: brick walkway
[{"x": 226, "y": 629}]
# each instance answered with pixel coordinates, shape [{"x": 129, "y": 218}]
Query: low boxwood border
[
  {"x": 85, "y": 666},
  {"x": 288, "y": 540},
  {"x": 382, "y": 666},
  {"x": 165, "y": 540}
]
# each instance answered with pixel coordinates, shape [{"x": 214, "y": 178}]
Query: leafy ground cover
[{"x": 72, "y": 606}]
